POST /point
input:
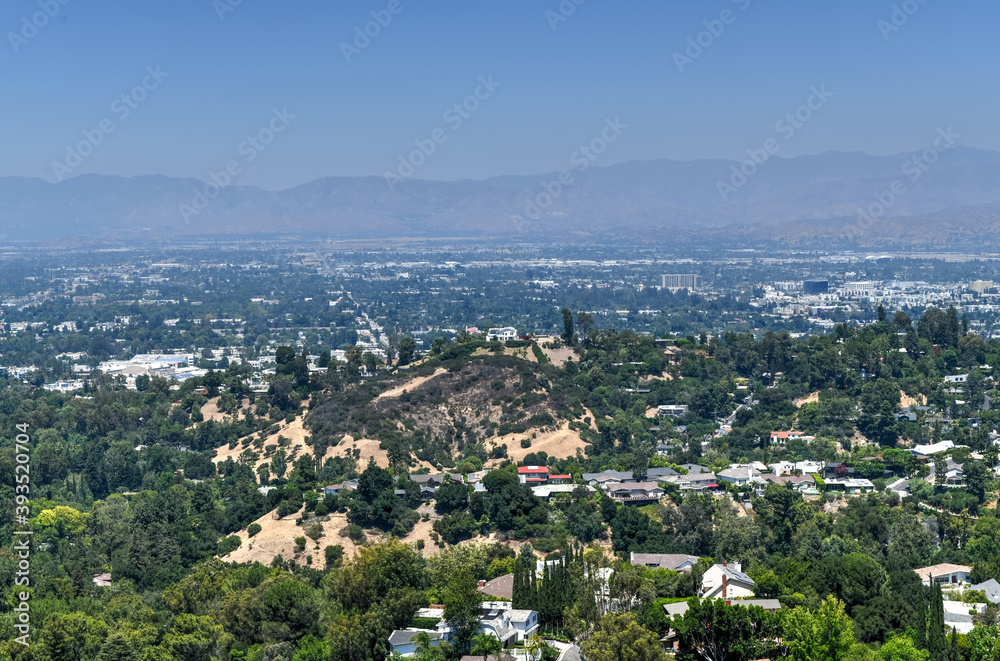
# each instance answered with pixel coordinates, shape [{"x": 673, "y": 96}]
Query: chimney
[
  {"x": 482, "y": 584},
  {"x": 725, "y": 585},
  {"x": 725, "y": 564}
]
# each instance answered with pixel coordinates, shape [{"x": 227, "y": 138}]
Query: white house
[
  {"x": 782, "y": 437},
  {"x": 739, "y": 476},
  {"x": 957, "y": 378},
  {"x": 497, "y": 619},
  {"x": 933, "y": 448},
  {"x": 851, "y": 485},
  {"x": 809, "y": 467},
  {"x": 672, "y": 410},
  {"x": 944, "y": 574},
  {"x": 509, "y": 625},
  {"x": 501, "y": 334},
  {"x": 726, "y": 581},
  {"x": 783, "y": 467}
]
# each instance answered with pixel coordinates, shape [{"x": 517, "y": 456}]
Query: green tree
[
  {"x": 717, "y": 632},
  {"x": 901, "y": 648},
  {"x": 407, "y": 350},
  {"x": 977, "y": 478},
  {"x": 622, "y": 638},
  {"x": 462, "y": 603},
  {"x": 568, "y": 332},
  {"x": 879, "y": 404},
  {"x": 278, "y": 463},
  {"x": 534, "y": 646},
  {"x": 485, "y": 645},
  {"x": 118, "y": 648},
  {"x": 72, "y": 637},
  {"x": 348, "y": 638},
  {"x": 983, "y": 643},
  {"x": 937, "y": 642},
  {"x": 291, "y": 609},
  {"x": 194, "y": 638},
  {"x": 826, "y": 635}
]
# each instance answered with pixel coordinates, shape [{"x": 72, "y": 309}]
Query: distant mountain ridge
[{"x": 819, "y": 194}]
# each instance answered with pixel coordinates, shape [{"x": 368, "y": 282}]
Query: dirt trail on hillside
[{"x": 411, "y": 385}]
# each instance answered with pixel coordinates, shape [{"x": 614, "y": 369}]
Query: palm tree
[
  {"x": 421, "y": 641},
  {"x": 535, "y": 645},
  {"x": 486, "y": 645}
]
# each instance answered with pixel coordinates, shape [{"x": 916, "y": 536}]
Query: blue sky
[{"x": 608, "y": 59}]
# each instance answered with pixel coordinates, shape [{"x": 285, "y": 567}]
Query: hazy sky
[{"x": 559, "y": 81}]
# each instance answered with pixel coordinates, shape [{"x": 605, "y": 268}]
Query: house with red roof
[
  {"x": 533, "y": 475},
  {"x": 782, "y": 437}
]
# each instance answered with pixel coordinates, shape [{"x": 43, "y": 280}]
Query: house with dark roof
[
  {"x": 671, "y": 561},
  {"x": 797, "y": 482},
  {"x": 402, "y": 640},
  {"x": 594, "y": 479},
  {"x": 436, "y": 479},
  {"x": 692, "y": 481},
  {"x": 337, "y": 489},
  {"x": 991, "y": 588},
  {"x": 739, "y": 476},
  {"x": 501, "y": 587},
  {"x": 634, "y": 491}
]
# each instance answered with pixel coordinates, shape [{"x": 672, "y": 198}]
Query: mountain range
[{"x": 926, "y": 198}]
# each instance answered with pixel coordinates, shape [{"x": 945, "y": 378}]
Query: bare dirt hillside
[
  {"x": 561, "y": 443},
  {"x": 365, "y": 448},
  {"x": 906, "y": 401},
  {"x": 210, "y": 411},
  {"x": 557, "y": 357},
  {"x": 277, "y": 537},
  {"x": 295, "y": 447},
  {"x": 802, "y": 401}
]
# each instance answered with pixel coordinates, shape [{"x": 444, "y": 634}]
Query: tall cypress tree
[
  {"x": 517, "y": 592},
  {"x": 937, "y": 641}
]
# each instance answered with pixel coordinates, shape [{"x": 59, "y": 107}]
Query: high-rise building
[
  {"x": 981, "y": 286},
  {"x": 675, "y": 281},
  {"x": 816, "y": 286}
]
